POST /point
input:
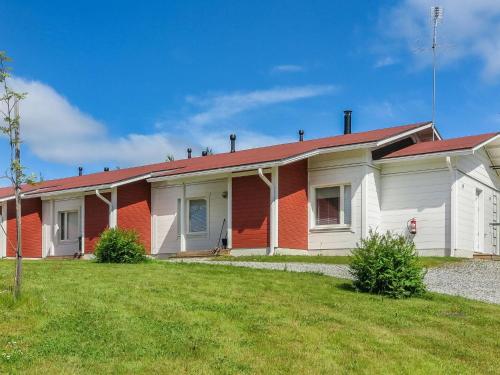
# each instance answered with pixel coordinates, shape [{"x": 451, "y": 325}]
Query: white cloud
[
  {"x": 221, "y": 107},
  {"x": 57, "y": 131},
  {"x": 385, "y": 61},
  {"x": 470, "y": 28},
  {"x": 288, "y": 69}
]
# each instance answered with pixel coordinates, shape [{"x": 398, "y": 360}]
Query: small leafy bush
[
  {"x": 119, "y": 246},
  {"x": 387, "y": 264}
]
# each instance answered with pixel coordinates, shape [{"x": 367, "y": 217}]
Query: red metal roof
[
  {"x": 210, "y": 162},
  {"x": 453, "y": 144}
]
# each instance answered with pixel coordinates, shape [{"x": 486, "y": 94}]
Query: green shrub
[
  {"x": 119, "y": 246},
  {"x": 387, "y": 264}
]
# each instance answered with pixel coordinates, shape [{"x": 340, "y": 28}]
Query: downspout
[
  {"x": 110, "y": 206},
  {"x": 272, "y": 241},
  {"x": 453, "y": 207}
]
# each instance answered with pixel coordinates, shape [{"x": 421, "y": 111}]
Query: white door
[
  {"x": 67, "y": 227},
  {"x": 478, "y": 221}
]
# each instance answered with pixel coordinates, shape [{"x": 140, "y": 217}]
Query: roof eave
[
  {"x": 86, "y": 189},
  {"x": 405, "y": 134},
  {"x": 425, "y": 156},
  {"x": 268, "y": 164},
  {"x": 485, "y": 143}
]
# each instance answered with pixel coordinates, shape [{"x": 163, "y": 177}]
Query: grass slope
[
  {"x": 82, "y": 317},
  {"x": 425, "y": 261}
]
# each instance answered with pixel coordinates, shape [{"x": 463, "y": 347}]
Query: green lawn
[
  {"x": 83, "y": 317},
  {"x": 425, "y": 261}
]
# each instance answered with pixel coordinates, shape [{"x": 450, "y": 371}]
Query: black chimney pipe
[
  {"x": 204, "y": 153},
  {"x": 80, "y": 171},
  {"x": 189, "y": 152},
  {"x": 347, "y": 121},
  {"x": 232, "y": 137},
  {"x": 106, "y": 169},
  {"x": 301, "y": 135}
]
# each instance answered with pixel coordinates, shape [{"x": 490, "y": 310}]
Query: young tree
[{"x": 9, "y": 107}]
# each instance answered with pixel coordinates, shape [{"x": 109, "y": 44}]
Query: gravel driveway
[{"x": 479, "y": 279}]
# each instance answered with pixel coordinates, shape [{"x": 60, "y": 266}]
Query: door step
[{"x": 483, "y": 256}]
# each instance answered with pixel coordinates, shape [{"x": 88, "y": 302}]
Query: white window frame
[
  {"x": 314, "y": 208},
  {"x": 65, "y": 212},
  {"x": 188, "y": 204}
]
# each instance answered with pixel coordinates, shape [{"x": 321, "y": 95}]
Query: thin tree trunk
[
  {"x": 17, "y": 176},
  {"x": 19, "y": 249}
]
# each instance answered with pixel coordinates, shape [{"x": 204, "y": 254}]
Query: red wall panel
[
  {"x": 96, "y": 220},
  {"x": 292, "y": 206},
  {"x": 31, "y": 226},
  {"x": 250, "y": 210},
  {"x": 134, "y": 210}
]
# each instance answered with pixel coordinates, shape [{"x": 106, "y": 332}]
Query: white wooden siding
[
  {"x": 164, "y": 210},
  {"x": 334, "y": 169},
  {"x": 418, "y": 190}
]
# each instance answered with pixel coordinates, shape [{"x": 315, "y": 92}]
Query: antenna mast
[{"x": 436, "y": 16}]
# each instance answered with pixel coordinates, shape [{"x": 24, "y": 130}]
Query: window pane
[
  {"x": 197, "y": 215},
  {"x": 73, "y": 227},
  {"x": 347, "y": 204},
  {"x": 62, "y": 225},
  {"x": 327, "y": 206}
]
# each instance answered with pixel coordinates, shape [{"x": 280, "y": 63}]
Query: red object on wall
[
  {"x": 96, "y": 220},
  {"x": 134, "y": 210},
  {"x": 413, "y": 226},
  {"x": 292, "y": 206},
  {"x": 250, "y": 209},
  {"x": 31, "y": 226}
]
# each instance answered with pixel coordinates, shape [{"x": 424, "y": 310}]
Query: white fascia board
[
  {"x": 327, "y": 150},
  {"x": 5, "y": 199},
  {"x": 270, "y": 164},
  {"x": 211, "y": 172},
  {"x": 130, "y": 180},
  {"x": 66, "y": 191},
  {"x": 424, "y": 156},
  {"x": 492, "y": 139},
  {"x": 86, "y": 189},
  {"x": 405, "y": 134}
]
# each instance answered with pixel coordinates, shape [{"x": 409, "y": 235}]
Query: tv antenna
[{"x": 436, "y": 17}]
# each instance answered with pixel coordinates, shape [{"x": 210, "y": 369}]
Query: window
[
  {"x": 333, "y": 205},
  {"x": 197, "y": 215},
  {"x": 69, "y": 226}
]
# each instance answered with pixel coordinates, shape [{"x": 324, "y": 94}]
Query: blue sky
[{"x": 126, "y": 83}]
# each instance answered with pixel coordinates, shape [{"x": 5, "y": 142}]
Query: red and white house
[{"x": 317, "y": 196}]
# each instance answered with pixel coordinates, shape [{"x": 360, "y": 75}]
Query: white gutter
[
  {"x": 112, "y": 221},
  {"x": 273, "y": 208},
  {"x": 453, "y": 206}
]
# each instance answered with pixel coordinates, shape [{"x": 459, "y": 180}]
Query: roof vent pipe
[
  {"x": 301, "y": 135},
  {"x": 347, "y": 121},
  {"x": 232, "y": 137},
  {"x": 80, "y": 171},
  {"x": 189, "y": 152},
  {"x": 204, "y": 153},
  {"x": 106, "y": 169}
]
